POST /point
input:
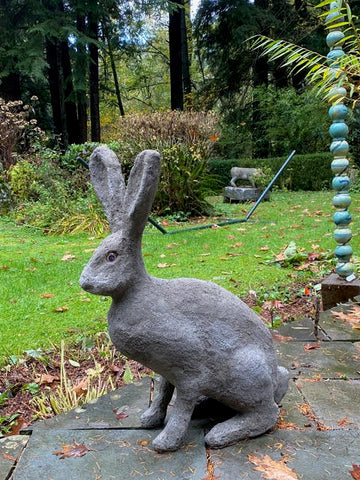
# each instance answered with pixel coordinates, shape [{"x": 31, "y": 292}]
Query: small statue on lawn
[
  {"x": 202, "y": 340},
  {"x": 242, "y": 173}
]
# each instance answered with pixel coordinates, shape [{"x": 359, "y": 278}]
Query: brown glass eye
[{"x": 111, "y": 256}]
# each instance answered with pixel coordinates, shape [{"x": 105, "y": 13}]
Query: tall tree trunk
[
  {"x": 81, "y": 64},
  {"x": 94, "y": 77},
  {"x": 10, "y": 87},
  {"x": 114, "y": 72},
  {"x": 175, "y": 51},
  {"x": 185, "y": 54},
  {"x": 70, "y": 105},
  {"x": 56, "y": 84}
]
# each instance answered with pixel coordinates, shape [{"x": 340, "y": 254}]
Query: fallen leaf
[
  {"x": 311, "y": 346},
  {"x": 281, "y": 338},
  {"x": 165, "y": 265},
  {"x": 81, "y": 387},
  {"x": 47, "y": 379},
  {"x": 4, "y": 267},
  {"x": 120, "y": 414},
  {"x": 351, "y": 316},
  {"x": 60, "y": 309},
  {"x": 264, "y": 248},
  {"x": 237, "y": 245},
  {"x": 231, "y": 237},
  {"x": 343, "y": 421},
  {"x": 47, "y": 295},
  {"x": 77, "y": 450},
  {"x": 272, "y": 469},
  {"x": 143, "y": 443},
  {"x": 355, "y": 472},
  {"x": 8, "y": 457},
  {"x": 68, "y": 257}
]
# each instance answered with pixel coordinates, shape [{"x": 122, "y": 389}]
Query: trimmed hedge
[{"x": 304, "y": 172}]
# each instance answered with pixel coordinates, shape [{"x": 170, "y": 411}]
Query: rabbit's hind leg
[
  {"x": 251, "y": 423},
  {"x": 171, "y": 438},
  {"x": 155, "y": 415}
]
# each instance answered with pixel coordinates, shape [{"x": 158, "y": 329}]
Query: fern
[{"x": 322, "y": 74}]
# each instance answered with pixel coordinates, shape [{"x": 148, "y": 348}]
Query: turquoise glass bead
[
  {"x": 339, "y": 165},
  {"x": 341, "y": 183},
  {"x": 336, "y": 93},
  {"x": 334, "y": 56},
  {"x": 334, "y": 37},
  {"x": 344, "y": 269},
  {"x": 338, "y": 112},
  {"x": 338, "y": 130},
  {"x": 339, "y": 148},
  {"x": 343, "y": 252},
  {"x": 342, "y": 218},
  {"x": 342, "y": 200},
  {"x": 342, "y": 235},
  {"x": 333, "y": 16}
]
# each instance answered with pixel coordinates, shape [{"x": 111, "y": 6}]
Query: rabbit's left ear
[{"x": 141, "y": 189}]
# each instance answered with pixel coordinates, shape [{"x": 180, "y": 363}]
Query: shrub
[
  {"x": 304, "y": 172},
  {"x": 23, "y": 180},
  {"x": 16, "y": 130}
]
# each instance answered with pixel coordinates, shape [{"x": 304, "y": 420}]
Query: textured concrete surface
[
  {"x": 317, "y": 436},
  {"x": 10, "y": 451}
]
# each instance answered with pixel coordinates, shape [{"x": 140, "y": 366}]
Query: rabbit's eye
[{"x": 111, "y": 256}]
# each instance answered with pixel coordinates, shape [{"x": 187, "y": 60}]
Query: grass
[{"x": 42, "y": 303}]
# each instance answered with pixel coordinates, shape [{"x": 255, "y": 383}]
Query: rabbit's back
[{"x": 187, "y": 326}]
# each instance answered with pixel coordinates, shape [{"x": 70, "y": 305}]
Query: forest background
[{"x": 149, "y": 74}]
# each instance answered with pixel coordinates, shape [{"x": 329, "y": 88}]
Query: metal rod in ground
[{"x": 252, "y": 210}]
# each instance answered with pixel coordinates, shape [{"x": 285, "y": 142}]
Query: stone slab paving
[
  {"x": 318, "y": 432},
  {"x": 112, "y": 455},
  {"x": 332, "y": 402},
  {"x": 119, "y": 409},
  {"x": 320, "y": 360},
  {"x": 10, "y": 450},
  {"x": 310, "y": 455}
]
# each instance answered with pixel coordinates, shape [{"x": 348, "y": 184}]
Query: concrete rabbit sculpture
[{"x": 201, "y": 339}]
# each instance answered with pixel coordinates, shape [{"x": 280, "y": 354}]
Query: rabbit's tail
[{"x": 282, "y": 384}]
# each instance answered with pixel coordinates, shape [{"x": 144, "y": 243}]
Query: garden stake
[{"x": 339, "y": 147}]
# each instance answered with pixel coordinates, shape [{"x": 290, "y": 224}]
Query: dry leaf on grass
[{"x": 272, "y": 469}]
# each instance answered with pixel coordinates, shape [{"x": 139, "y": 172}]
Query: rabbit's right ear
[{"x": 108, "y": 181}]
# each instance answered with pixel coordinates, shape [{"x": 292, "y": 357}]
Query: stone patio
[{"x": 317, "y": 436}]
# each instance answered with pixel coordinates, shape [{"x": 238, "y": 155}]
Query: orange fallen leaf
[
  {"x": 355, "y": 472},
  {"x": 351, "y": 316},
  {"x": 8, "y": 457},
  {"x": 272, "y": 469},
  {"x": 47, "y": 295},
  {"x": 4, "y": 267},
  {"x": 77, "y": 450},
  {"x": 143, "y": 443},
  {"x": 343, "y": 421},
  {"x": 281, "y": 338},
  {"x": 311, "y": 346}
]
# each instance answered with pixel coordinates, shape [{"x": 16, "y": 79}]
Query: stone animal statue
[
  {"x": 200, "y": 338},
  {"x": 242, "y": 173}
]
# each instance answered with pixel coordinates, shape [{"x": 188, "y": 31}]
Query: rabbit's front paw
[
  {"x": 152, "y": 418},
  {"x": 163, "y": 443}
]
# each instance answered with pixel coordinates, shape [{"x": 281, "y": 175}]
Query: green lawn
[{"x": 39, "y": 273}]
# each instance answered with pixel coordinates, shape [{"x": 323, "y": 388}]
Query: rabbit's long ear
[
  {"x": 141, "y": 189},
  {"x": 108, "y": 181}
]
